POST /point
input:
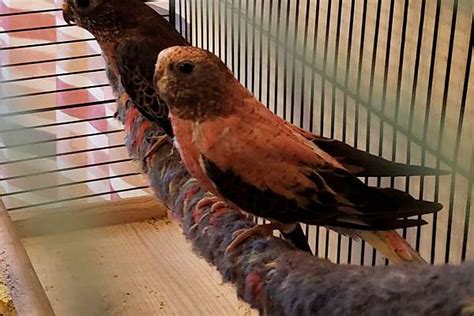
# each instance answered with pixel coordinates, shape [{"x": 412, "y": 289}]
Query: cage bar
[
  {"x": 303, "y": 67},
  {"x": 382, "y": 61},
  {"x": 393, "y": 78}
]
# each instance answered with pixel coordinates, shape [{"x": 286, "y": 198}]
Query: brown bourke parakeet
[
  {"x": 127, "y": 30},
  {"x": 256, "y": 161},
  {"x": 131, "y": 35}
]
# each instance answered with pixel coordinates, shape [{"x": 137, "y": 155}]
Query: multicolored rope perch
[{"x": 275, "y": 278}]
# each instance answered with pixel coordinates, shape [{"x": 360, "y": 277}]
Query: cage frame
[{"x": 28, "y": 227}]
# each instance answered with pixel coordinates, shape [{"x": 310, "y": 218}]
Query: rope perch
[{"x": 275, "y": 278}]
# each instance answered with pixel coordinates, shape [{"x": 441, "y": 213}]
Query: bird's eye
[
  {"x": 186, "y": 68},
  {"x": 83, "y": 4}
]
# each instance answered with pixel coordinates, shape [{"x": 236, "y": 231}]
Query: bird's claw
[
  {"x": 218, "y": 206},
  {"x": 214, "y": 202},
  {"x": 241, "y": 235},
  {"x": 158, "y": 142},
  {"x": 206, "y": 202}
]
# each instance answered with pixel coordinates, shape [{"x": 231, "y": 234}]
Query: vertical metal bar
[
  {"x": 222, "y": 29},
  {"x": 201, "y": 18},
  {"x": 245, "y": 46},
  {"x": 323, "y": 83},
  {"x": 293, "y": 73},
  {"x": 434, "y": 47},
  {"x": 371, "y": 92},
  {"x": 346, "y": 86},
  {"x": 232, "y": 37},
  {"x": 260, "y": 70},
  {"x": 252, "y": 50},
  {"x": 441, "y": 131},
  {"x": 399, "y": 88},
  {"x": 189, "y": 23},
  {"x": 398, "y": 96},
  {"x": 333, "y": 102},
  {"x": 207, "y": 30},
  {"x": 239, "y": 38},
  {"x": 216, "y": 30},
  {"x": 411, "y": 115},
  {"x": 213, "y": 25},
  {"x": 269, "y": 52},
  {"x": 335, "y": 68},
  {"x": 385, "y": 83},
  {"x": 304, "y": 57},
  {"x": 172, "y": 11},
  {"x": 277, "y": 36},
  {"x": 312, "y": 96},
  {"x": 461, "y": 117},
  {"x": 183, "y": 18},
  {"x": 180, "y": 14},
  {"x": 467, "y": 215},
  {"x": 285, "y": 59},
  {"x": 225, "y": 33},
  {"x": 323, "y": 97},
  {"x": 359, "y": 80},
  {"x": 196, "y": 29}
]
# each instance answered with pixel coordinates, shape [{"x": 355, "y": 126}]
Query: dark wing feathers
[
  {"x": 363, "y": 164},
  {"x": 371, "y": 209},
  {"x": 377, "y": 207},
  {"x": 136, "y": 61}
]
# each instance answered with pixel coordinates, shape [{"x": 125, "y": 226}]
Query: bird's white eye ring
[
  {"x": 185, "y": 67},
  {"x": 83, "y": 4}
]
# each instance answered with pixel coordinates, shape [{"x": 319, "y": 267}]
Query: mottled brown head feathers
[
  {"x": 105, "y": 19},
  {"x": 195, "y": 83}
]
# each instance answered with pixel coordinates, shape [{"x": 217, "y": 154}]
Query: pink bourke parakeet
[{"x": 245, "y": 154}]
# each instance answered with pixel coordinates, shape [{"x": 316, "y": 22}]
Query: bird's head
[
  {"x": 194, "y": 83},
  {"x": 103, "y": 18}
]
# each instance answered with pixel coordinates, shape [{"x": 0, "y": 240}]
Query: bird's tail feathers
[
  {"x": 389, "y": 209},
  {"x": 298, "y": 238},
  {"x": 388, "y": 243},
  {"x": 391, "y": 245}
]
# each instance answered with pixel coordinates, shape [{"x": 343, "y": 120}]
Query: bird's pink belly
[{"x": 190, "y": 154}]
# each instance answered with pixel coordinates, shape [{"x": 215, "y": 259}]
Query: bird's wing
[
  {"x": 136, "y": 60},
  {"x": 255, "y": 159},
  {"x": 364, "y": 164}
]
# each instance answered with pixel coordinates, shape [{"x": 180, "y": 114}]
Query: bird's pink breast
[{"x": 189, "y": 152}]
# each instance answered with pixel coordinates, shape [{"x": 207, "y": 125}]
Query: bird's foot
[
  {"x": 206, "y": 202},
  {"x": 214, "y": 202},
  {"x": 158, "y": 141},
  {"x": 242, "y": 235},
  {"x": 219, "y": 205}
]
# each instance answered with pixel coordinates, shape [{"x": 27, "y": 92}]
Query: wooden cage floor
[{"x": 143, "y": 268}]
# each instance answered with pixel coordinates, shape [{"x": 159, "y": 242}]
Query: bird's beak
[
  {"x": 159, "y": 71},
  {"x": 157, "y": 79},
  {"x": 68, "y": 15}
]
